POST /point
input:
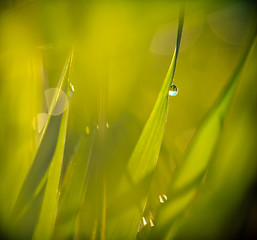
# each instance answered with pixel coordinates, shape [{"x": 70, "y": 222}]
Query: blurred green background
[{"x": 122, "y": 51}]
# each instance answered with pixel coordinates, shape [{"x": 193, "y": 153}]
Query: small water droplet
[
  {"x": 161, "y": 199},
  {"x": 164, "y": 196},
  {"x": 72, "y": 89},
  {"x": 151, "y": 223},
  {"x": 107, "y": 125},
  {"x": 173, "y": 90},
  {"x": 144, "y": 221},
  {"x": 87, "y": 130}
]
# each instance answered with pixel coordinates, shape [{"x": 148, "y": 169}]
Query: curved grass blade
[
  {"x": 46, "y": 222},
  {"x": 144, "y": 158},
  {"x": 44, "y": 153},
  {"x": 193, "y": 168},
  {"x": 74, "y": 186},
  {"x": 45, "y": 226}
]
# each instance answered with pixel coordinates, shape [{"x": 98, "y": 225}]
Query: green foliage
[
  {"x": 94, "y": 166},
  {"x": 192, "y": 171}
]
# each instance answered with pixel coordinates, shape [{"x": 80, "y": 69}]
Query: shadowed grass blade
[
  {"x": 45, "y": 226},
  {"x": 74, "y": 186},
  {"x": 44, "y": 153}
]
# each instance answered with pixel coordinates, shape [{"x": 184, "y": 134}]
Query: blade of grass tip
[
  {"x": 193, "y": 168},
  {"x": 43, "y": 155},
  {"x": 46, "y": 222},
  {"x": 144, "y": 157},
  {"x": 145, "y": 154},
  {"x": 57, "y": 94},
  {"x": 74, "y": 185}
]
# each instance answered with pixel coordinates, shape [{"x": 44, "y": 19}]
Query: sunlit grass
[{"x": 95, "y": 146}]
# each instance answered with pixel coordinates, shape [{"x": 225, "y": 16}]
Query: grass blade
[
  {"x": 193, "y": 168},
  {"x": 45, "y": 226},
  {"x": 44, "y": 153},
  {"x": 74, "y": 186},
  {"x": 144, "y": 158}
]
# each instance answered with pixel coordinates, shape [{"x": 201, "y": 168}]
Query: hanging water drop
[
  {"x": 72, "y": 89},
  {"x": 144, "y": 221},
  {"x": 164, "y": 196},
  {"x": 161, "y": 199},
  {"x": 151, "y": 223},
  {"x": 173, "y": 90}
]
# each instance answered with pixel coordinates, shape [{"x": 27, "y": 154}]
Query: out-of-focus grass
[{"x": 123, "y": 50}]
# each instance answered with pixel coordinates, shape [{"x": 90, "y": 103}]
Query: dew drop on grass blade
[
  {"x": 193, "y": 168},
  {"x": 143, "y": 159}
]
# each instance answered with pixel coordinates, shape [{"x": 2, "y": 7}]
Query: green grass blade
[
  {"x": 74, "y": 186},
  {"x": 46, "y": 222},
  {"x": 197, "y": 158},
  {"x": 144, "y": 158},
  {"x": 44, "y": 153},
  {"x": 193, "y": 168}
]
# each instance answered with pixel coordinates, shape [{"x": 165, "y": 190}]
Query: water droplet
[
  {"x": 72, "y": 89},
  {"x": 164, "y": 196},
  {"x": 173, "y": 90},
  {"x": 61, "y": 103},
  {"x": 87, "y": 130},
  {"x": 107, "y": 125},
  {"x": 144, "y": 221},
  {"x": 161, "y": 199},
  {"x": 151, "y": 223}
]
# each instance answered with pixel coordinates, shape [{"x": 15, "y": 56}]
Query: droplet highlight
[
  {"x": 173, "y": 90},
  {"x": 163, "y": 198},
  {"x": 151, "y": 223},
  {"x": 144, "y": 221},
  {"x": 72, "y": 90}
]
